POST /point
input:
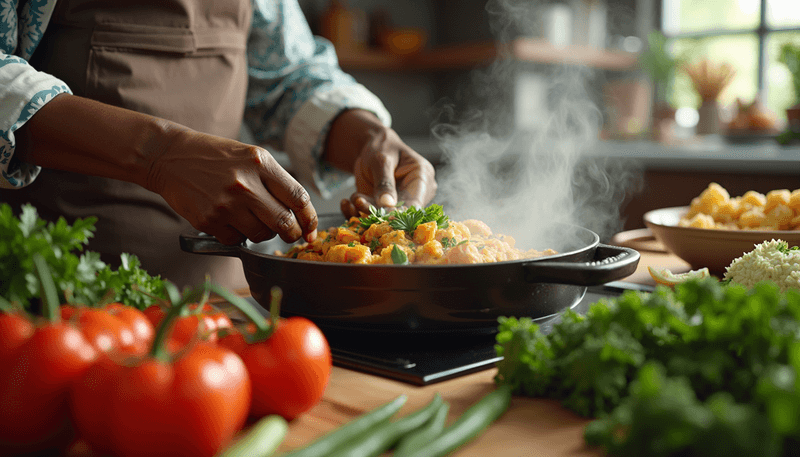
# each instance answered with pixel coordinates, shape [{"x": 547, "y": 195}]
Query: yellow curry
[{"x": 413, "y": 236}]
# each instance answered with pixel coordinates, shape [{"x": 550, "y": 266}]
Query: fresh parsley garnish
[
  {"x": 451, "y": 242},
  {"x": 375, "y": 216},
  {"x": 407, "y": 220},
  {"x": 351, "y": 244},
  {"x": 783, "y": 246},
  {"x": 374, "y": 244},
  {"x": 399, "y": 256}
]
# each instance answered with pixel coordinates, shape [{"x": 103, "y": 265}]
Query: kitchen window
[{"x": 747, "y": 34}]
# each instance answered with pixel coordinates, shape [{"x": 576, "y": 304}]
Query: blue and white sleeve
[
  {"x": 23, "y": 89},
  {"x": 296, "y": 89}
]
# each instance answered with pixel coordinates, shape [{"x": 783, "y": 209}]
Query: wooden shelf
[{"x": 471, "y": 55}]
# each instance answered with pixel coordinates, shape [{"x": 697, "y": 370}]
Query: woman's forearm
[{"x": 76, "y": 134}]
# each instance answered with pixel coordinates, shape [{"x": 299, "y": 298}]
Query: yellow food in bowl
[
  {"x": 467, "y": 242},
  {"x": 714, "y": 208}
]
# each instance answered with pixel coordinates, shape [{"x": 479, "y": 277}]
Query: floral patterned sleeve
[
  {"x": 23, "y": 90},
  {"x": 296, "y": 89}
]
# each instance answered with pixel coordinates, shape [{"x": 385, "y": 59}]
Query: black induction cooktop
[{"x": 426, "y": 359}]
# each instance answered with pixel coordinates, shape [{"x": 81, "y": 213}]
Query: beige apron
[{"x": 183, "y": 60}]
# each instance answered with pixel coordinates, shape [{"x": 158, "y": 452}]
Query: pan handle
[
  {"x": 197, "y": 242},
  {"x": 611, "y": 263}
]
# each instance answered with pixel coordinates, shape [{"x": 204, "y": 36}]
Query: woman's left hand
[{"x": 387, "y": 171}]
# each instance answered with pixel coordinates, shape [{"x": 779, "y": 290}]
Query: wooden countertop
[{"x": 530, "y": 427}]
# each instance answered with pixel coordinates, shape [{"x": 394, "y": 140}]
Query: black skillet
[{"x": 415, "y": 299}]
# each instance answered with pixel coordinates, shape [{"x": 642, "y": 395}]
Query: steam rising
[{"x": 524, "y": 181}]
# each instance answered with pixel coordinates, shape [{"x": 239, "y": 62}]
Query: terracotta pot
[{"x": 793, "y": 118}]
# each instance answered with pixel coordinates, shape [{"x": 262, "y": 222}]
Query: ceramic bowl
[{"x": 711, "y": 248}]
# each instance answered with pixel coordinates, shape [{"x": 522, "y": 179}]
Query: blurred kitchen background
[{"x": 687, "y": 91}]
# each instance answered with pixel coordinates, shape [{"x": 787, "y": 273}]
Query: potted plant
[
  {"x": 661, "y": 67},
  {"x": 790, "y": 56}
]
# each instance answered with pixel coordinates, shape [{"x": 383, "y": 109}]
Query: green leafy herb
[
  {"x": 399, "y": 256},
  {"x": 374, "y": 244},
  {"x": 82, "y": 275},
  {"x": 408, "y": 219},
  {"x": 783, "y": 246},
  {"x": 58, "y": 243},
  {"x": 704, "y": 369},
  {"x": 451, "y": 242},
  {"x": 375, "y": 216},
  {"x": 131, "y": 284}
]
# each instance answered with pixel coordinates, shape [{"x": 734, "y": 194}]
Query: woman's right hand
[
  {"x": 229, "y": 189},
  {"x": 223, "y": 187}
]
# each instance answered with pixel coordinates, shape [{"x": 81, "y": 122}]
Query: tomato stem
[
  {"x": 263, "y": 328},
  {"x": 6, "y": 306},
  {"x": 159, "y": 349},
  {"x": 276, "y": 295},
  {"x": 47, "y": 287}
]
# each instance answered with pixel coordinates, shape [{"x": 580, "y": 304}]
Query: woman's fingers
[
  {"x": 393, "y": 174},
  {"x": 291, "y": 210},
  {"x": 416, "y": 180},
  {"x": 232, "y": 190}
]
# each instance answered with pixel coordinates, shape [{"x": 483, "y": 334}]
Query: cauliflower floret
[{"x": 769, "y": 261}]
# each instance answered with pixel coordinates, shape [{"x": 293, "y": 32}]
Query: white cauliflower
[{"x": 769, "y": 261}]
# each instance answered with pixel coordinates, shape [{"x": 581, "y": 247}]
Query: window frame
[{"x": 762, "y": 31}]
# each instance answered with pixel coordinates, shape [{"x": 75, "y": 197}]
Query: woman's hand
[
  {"x": 387, "y": 171},
  {"x": 230, "y": 189}
]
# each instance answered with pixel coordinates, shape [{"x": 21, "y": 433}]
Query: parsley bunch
[
  {"x": 86, "y": 278},
  {"x": 408, "y": 219},
  {"x": 707, "y": 369}
]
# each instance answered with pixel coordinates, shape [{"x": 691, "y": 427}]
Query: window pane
[
  {"x": 741, "y": 51},
  {"x": 681, "y": 16},
  {"x": 780, "y": 94},
  {"x": 783, "y": 13}
]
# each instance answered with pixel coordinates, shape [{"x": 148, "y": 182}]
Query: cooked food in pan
[
  {"x": 411, "y": 236},
  {"x": 714, "y": 208}
]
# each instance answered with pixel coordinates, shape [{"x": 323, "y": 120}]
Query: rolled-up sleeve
[
  {"x": 23, "y": 89},
  {"x": 296, "y": 89}
]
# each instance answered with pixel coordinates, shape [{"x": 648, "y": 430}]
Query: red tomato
[
  {"x": 289, "y": 370},
  {"x": 143, "y": 330},
  {"x": 190, "y": 407},
  {"x": 14, "y": 331},
  {"x": 235, "y": 340},
  {"x": 155, "y": 314},
  {"x": 88, "y": 397},
  {"x": 34, "y": 387},
  {"x": 202, "y": 324},
  {"x": 116, "y": 328}
]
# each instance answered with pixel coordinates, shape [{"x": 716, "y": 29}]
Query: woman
[{"x": 132, "y": 109}]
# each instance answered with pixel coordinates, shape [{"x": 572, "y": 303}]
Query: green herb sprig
[
  {"x": 408, "y": 219},
  {"x": 783, "y": 246}
]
